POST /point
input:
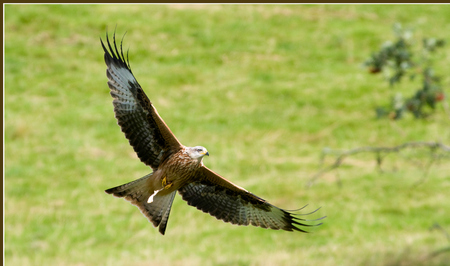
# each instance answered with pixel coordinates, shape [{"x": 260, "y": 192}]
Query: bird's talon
[{"x": 165, "y": 184}]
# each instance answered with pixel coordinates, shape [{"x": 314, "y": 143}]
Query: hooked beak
[{"x": 207, "y": 153}]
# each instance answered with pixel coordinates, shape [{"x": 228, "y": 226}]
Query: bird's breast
[{"x": 179, "y": 169}]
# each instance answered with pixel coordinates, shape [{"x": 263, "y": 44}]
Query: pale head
[{"x": 197, "y": 152}]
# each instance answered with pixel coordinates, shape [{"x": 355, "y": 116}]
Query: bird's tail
[{"x": 138, "y": 193}]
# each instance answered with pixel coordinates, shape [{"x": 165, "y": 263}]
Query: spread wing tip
[
  {"x": 293, "y": 221},
  {"x": 112, "y": 54}
]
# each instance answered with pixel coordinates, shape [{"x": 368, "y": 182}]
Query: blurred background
[{"x": 268, "y": 90}]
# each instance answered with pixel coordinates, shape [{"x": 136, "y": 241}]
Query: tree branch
[{"x": 379, "y": 151}]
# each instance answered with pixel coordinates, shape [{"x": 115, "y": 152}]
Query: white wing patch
[{"x": 120, "y": 78}]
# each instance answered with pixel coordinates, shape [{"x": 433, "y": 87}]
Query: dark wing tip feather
[
  {"x": 293, "y": 220},
  {"x": 121, "y": 51},
  {"x": 113, "y": 54}
]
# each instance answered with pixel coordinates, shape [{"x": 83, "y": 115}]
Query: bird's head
[{"x": 197, "y": 152}]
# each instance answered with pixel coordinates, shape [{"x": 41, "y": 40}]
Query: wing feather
[
  {"x": 226, "y": 201},
  {"x": 147, "y": 133}
]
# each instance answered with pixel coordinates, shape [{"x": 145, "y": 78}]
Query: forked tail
[{"x": 138, "y": 192}]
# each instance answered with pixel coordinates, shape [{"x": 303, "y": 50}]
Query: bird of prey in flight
[{"x": 175, "y": 166}]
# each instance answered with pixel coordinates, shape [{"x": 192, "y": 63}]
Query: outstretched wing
[
  {"x": 222, "y": 199},
  {"x": 147, "y": 133}
]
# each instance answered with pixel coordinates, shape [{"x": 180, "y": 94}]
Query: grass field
[{"x": 264, "y": 89}]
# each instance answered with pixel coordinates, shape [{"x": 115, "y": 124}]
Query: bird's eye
[{"x": 199, "y": 150}]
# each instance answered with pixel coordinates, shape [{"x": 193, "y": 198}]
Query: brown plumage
[{"x": 176, "y": 167}]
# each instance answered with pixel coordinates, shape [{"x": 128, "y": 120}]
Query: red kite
[{"x": 175, "y": 166}]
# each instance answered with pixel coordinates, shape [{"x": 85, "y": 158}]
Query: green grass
[{"x": 263, "y": 88}]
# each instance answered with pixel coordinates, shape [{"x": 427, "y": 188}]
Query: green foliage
[
  {"x": 399, "y": 59},
  {"x": 263, "y": 87}
]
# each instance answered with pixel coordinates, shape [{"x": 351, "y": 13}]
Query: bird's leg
[{"x": 165, "y": 184}]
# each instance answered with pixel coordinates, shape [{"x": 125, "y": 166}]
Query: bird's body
[
  {"x": 177, "y": 167},
  {"x": 178, "y": 170}
]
